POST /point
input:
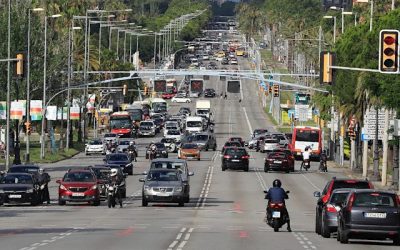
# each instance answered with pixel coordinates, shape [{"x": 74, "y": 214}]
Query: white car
[
  {"x": 110, "y": 137},
  {"x": 95, "y": 147},
  {"x": 181, "y": 99},
  {"x": 233, "y": 62},
  {"x": 174, "y": 134}
]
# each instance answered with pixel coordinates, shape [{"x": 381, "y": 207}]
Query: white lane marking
[
  {"x": 304, "y": 240},
  {"x": 309, "y": 181},
  {"x": 248, "y": 120},
  {"x": 241, "y": 88},
  {"x": 183, "y": 243},
  {"x": 179, "y": 237},
  {"x": 173, "y": 244}
]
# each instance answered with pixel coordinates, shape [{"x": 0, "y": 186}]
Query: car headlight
[
  {"x": 63, "y": 188},
  {"x": 94, "y": 187},
  {"x": 129, "y": 165},
  {"x": 29, "y": 190},
  {"x": 178, "y": 189},
  {"x": 147, "y": 188},
  {"x": 1, "y": 191}
]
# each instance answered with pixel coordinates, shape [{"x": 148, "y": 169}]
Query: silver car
[
  {"x": 269, "y": 144},
  {"x": 123, "y": 145},
  {"x": 164, "y": 186}
]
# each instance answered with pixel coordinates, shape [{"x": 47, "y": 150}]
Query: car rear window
[
  {"x": 350, "y": 184},
  {"x": 374, "y": 199},
  {"x": 279, "y": 155},
  {"x": 338, "y": 197},
  {"x": 238, "y": 152},
  {"x": 271, "y": 141}
]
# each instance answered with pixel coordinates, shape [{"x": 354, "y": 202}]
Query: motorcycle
[
  {"x": 211, "y": 128},
  {"x": 276, "y": 214},
  {"x": 132, "y": 155},
  {"x": 112, "y": 190},
  {"x": 305, "y": 164}
]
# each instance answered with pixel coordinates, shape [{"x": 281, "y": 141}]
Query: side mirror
[
  {"x": 265, "y": 192},
  {"x": 246, "y": 144},
  {"x": 58, "y": 181},
  {"x": 190, "y": 173},
  {"x": 141, "y": 180},
  {"x": 288, "y": 192},
  {"x": 317, "y": 194}
]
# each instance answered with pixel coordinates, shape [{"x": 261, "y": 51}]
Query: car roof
[
  {"x": 22, "y": 173},
  {"x": 372, "y": 191},
  {"x": 79, "y": 170},
  {"x": 342, "y": 190},
  {"x": 168, "y": 160},
  {"x": 164, "y": 170}
]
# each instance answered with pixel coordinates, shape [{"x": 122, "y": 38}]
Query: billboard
[
  {"x": 160, "y": 86},
  {"x": 196, "y": 85},
  {"x": 233, "y": 86}
]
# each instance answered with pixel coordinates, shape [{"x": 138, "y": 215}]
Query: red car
[
  {"x": 79, "y": 186},
  {"x": 167, "y": 95},
  {"x": 282, "y": 160},
  {"x": 238, "y": 139}
]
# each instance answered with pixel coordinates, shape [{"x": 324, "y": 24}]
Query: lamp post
[
  {"x": 28, "y": 82},
  {"x": 343, "y": 13},
  {"x": 334, "y": 26},
  {"x": 45, "y": 83},
  {"x": 8, "y": 87}
]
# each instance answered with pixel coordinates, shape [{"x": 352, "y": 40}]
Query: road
[{"x": 226, "y": 210}]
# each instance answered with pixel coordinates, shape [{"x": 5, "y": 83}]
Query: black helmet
[{"x": 277, "y": 183}]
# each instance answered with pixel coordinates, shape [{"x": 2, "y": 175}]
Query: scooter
[
  {"x": 112, "y": 190},
  {"x": 305, "y": 164},
  {"x": 276, "y": 216},
  {"x": 132, "y": 154}
]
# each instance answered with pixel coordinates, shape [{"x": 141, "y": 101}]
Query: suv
[
  {"x": 268, "y": 145},
  {"x": 78, "y": 185},
  {"x": 205, "y": 141},
  {"x": 235, "y": 158},
  {"x": 333, "y": 184},
  {"x": 120, "y": 159},
  {"x": 147, "y": 128}
]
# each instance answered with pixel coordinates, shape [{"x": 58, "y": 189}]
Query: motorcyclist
[
  {"x": 116, "y": 180},
  {"x": 323, "y": 160},
  {"x": 278, "y": 195},
  {"x": 306, "y": 156},
  {"x": 132, "y": 148},
  {"x": 44, "y": 183}
]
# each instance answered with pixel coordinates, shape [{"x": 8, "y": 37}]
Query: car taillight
[
  {"x": 350, "y": 204},
  {"x": 371, "y": 186},
  {"x": 227, "y": 156},
  {"x": 398, "y": 200},
  {"x": 276, "y": 205},
  {"x": 245, "y": 157},
  {"x": 63, "y": 188},
  {"x": 351, "y": 181},
  {"x": 330, "y": 208}
]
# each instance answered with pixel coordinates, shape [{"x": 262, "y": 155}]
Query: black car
[
  {"x": 235, "y": 158},
  {"x": 17, "y": 188},
  {"x": 369, "y": 214},
  {"x": 102, "y": 173},
  {"x": 122, "y": 160},
  {"x": 225, "y": 61},
  {"x": 161, "y": 151},
  {"x": 209, "y": 93}
]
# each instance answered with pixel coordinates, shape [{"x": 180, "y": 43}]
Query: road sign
[
  {"x": 303, "y": 112},
  {"x": 370, "y": 124}
]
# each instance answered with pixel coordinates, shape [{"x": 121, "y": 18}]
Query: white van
[{"x": 194, "y": 124}]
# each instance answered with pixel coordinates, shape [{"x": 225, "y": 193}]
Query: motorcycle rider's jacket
[{"x": 276, "y": 194}]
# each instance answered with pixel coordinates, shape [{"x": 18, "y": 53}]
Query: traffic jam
[{"x": 346, "y": 208}]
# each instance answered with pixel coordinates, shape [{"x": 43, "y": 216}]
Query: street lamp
[
  {"x": 28, "y": 74},
  {"x": 45, "y": 82},
  {"x": 343, "y": 13},
  {"x": 334, "y": 26}
]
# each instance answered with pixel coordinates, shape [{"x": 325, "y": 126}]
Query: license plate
[
  {"x": 235, "y": 160},
  {"x": 278, "y": 162},
  {"x": 276, "y": 214},
  {"x": 14, "y": 196},
  {"x": 78, "y": 194},
  {"x": 375, "y": 215},
  {"x": 163, "y": 194}
]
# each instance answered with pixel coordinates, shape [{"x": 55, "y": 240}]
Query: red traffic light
[
  {"x": 388, "y": 51},
  {"x": 389, "y": 40}
]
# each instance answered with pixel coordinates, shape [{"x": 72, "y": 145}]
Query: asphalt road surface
[{"x": 226, "y": 209}]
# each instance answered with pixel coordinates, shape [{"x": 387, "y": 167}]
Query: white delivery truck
[
  {"x": 203, "y": 108},
  {"x": 194, "y": 124}
]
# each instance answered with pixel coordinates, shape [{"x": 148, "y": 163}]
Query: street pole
[
  {"x": 342, "y": 21},
  {"x": 44, "y": 89},
  {"x": 130, "y": 48},
  {"x": 155, "y": 46},
  {"x": 376, "y": 176},
  {"x": 334, "y": 30},
  {"x": 371, "y": 15},
  {"x": 8, "y": 88},
  {"x": 385, "y": 148},
  {"x": 68, "y": 85}
]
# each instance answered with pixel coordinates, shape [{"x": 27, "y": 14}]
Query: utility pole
[
  {"x": 385, "y": 148},
  {"x": 376, "y": 176}
]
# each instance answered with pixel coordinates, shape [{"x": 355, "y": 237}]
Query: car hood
[
  {"x": 78, "y": 184},
  {"x": 163, "y": 183},
  {"x": 190, "y": 151},
  {"x": 15, "y": 187}
]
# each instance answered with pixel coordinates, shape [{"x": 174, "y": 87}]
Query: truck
[
  {"x": 196, "y": 87},
  {"x": 203, "y": 108}
]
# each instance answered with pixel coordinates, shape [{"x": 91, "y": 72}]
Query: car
[
  {"x": 31, "y": 169},
  {"x": 233, "y": 61},
  {"x": 239, "y": 52},
  {"x": 102, "y": 173},
  {"x": 164, "y": 185},
  {"x": 182, "y": 93},
  {"x": 171, "y": 125},
  {"x": 230, "y": 144},
  {"x": 110, "y": 137},
  {"x": 269, "y": 144},
  {"x": 283, "y": 140},
  {"x": 170, "y": 144},
  {"x": 19, "y": 188},
  {"x": 211, "y": 66},
  {"x": 120, "y": 159},
  {"x": 235, "y": 158},
  {"x": 238, "y": 139},
  {"x": 259, "y": 131},
  {"x": 123, "y": 145},
  {"x": 330, "y": 211},
  {"x": 95, "y": 146},
  {"x": 209, "y": 93},
  {"x": 147, "y": 128},
  {"x": 174, "y": 134},
  {"x": 369, "y": 215},
  {"x": 220, "y": 54},
  {"x": 205, "y": 141},
  {"x": 161, "y": 151},
  {"x": 185, "y": 109},
  {"x": 189, "y": 151},
  {"x": 279, "y": 161},
  {"x": 332, "y": 185},
  {"x": 78, "y": 185},
  {"x": 181, "y": 99},
  {"x": 225, "y": 61},
  {"x": 178, "y": 164}
]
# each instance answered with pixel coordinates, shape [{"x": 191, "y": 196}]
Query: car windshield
[
  {"x": 173, "y": 132},
  {"x": 160, "y": 146},
  {"x": 119, "y": 123},
  {"x": 374, "y": 199},
  {"x": 232, "y": 144},
  {"x": 200, "y": 138},
  {"x": 189, "y": 146},
  {"x": 146, "y": 124},
  {"x": 170, "y": 127},
  {"x": 78, "y": 177},
  {"x": 307, "y": 135},
  {"x": 194, "y": 124},
  {"x": 25, "y": 169},
  {"x": 279, "y": 155},
  {"x": 117, "y": 157},
  {"x": 17, "y": 179},
  {"x": 167, "y": 165},
  {"x": 338, "y": 197},
  {"x": 163, "y": 176},
  {"x": 271, "y": 141},
  {"x": 202, "y": 112},
  {"x": 167, "y": 140},
  {"x": 238, "y": 152},
  {"x": 95, "y": 143}
]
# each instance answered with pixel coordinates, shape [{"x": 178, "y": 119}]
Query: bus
[
  {"x": 136, "y": 112},
  {"x": 171, "y": 89},
  {"x": 301, "y": 98},
  {"x": 306, "y": 136},
  {"x": 121, "y": 124}
]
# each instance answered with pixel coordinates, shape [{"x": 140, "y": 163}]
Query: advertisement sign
[
  {"x": 3, "y": 110},
  {"x": 17, "y": 110},
  {"x": 36, "y": 110},
  {"x": 74, "y": 113},
  {"x": 51, "y": 113}
]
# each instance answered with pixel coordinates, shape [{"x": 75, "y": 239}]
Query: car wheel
[
  {"x": 223, "y": 167},
  {"x": 144, "y": 202},
  {"x": 246, "y": 169},
  {"x": 86, "y": 153},
  {"x": 61, "y": 202},
  {"x": 187, "y": 199},
  {"x": 396, "y": 241},
  {"x": 344, "y": 237},
  {"x": 317, "y": 223},
  {"x": 181, "y": 203},
  {"x": 187, "y": 101},
  {"x": 325, "y": 231},
  {"x": 198, "y": 159},
  {"x": 206, "y": 148},
  {"x": 96, "y": 203},
  {"x": 266, "y": 169}
]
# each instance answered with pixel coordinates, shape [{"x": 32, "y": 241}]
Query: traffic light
[
  {"x": 388, "y": 51},
  {"x": 327, "y": 59},
  {"x": 125, "y": 90},
  {"x": 19, "y": 70},
  {"x": 270, "y": 88},
  {"x": 28, "y": 128},
  {"x": 276, "y": 90}
]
